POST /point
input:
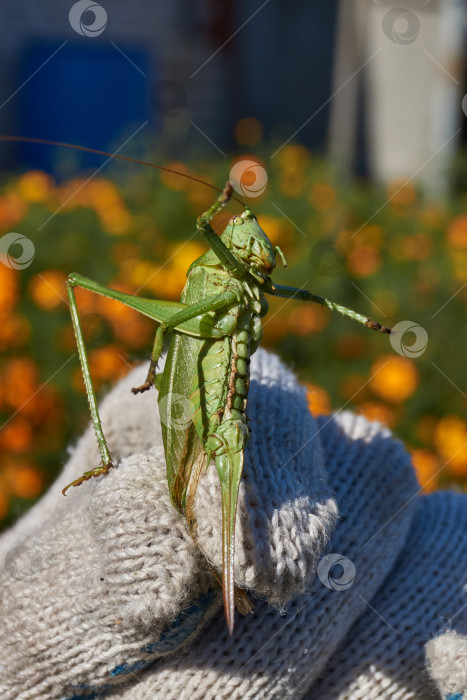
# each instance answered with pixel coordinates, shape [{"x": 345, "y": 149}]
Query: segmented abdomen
[{"x": 220, "y": 389}]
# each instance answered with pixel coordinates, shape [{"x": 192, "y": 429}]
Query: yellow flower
[
  {"x": 322, "y": 196},
  {"x": 364, "y": 261},
  {"x": 35, "y": 186},
  {"x": 183, "y": 254},
  {"x": 25, "y": 480},
  {"x": 20, "y": 380},
  {"x": 426, "y": 467},
  {"x": 12, "y": 210},
  {"x": 370, "y": 235},
  {"x": 277, "y": 230},
  {"x": 14, "y": 330},
  {"x": 401, "y": 192},
  {"x": 292, "y": 183},
  {"x": 167, "y": 283},
  {"x": 394, "y": 378},
  {"x": 48, "y": 289},
  {"x": 417, "y": 246},
  {"x": 17, "y": 435},
  {"x": 457, "y": 232},
  {"x": 459, "y": 260},
  {"x": 173, "y": 181},
  {"x": 134, "y": 329},
  {"x": 451, "y": 442},
  {"x": 294, "y": 156},
  {"x": 318, "y": 400},
  {"x": 307, "y": 319},
  {"x": 8, "y": 288},
  {"x": 107, "y": 363}
]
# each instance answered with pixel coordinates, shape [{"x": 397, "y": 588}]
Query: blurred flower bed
[{"x": 389, "y": 253}]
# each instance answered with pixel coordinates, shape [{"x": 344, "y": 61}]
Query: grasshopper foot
[
  {"x": 149, "y": 379},
  {"x": 144, "y": 387},
  {"x": 97, "y": 471}
]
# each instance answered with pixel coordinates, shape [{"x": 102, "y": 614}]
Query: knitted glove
[
  {"x": 357, "y": 630},
  {"x": 97, "y": 585},
  {"x": 447, "y": 662}
]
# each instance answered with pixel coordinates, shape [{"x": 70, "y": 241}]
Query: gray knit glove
[{"x": 97, "y": 585}]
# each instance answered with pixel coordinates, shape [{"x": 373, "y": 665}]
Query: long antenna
[{"x": 47, "y": 142}]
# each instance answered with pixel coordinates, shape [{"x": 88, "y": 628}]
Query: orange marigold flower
[
  {"x": 25, "y": 481},
  {"x": 14, "y": 330},
  {"x": 401, "y": 192},
  {"x": 182, "y": 255},
  {"x": 394, "y": 378},
  {"x": 129, "y": 325},
  {"x": 417, "y": 246},
  {"x": 17, "y": 435},
  {"x": 292, "y": 183},
  {"x": 9, "y": 279},
  {"x": 426, "y": 467},
  {"x": 459, "y": 260},
  {"x": 432, "y": 216},
  {"x": 363, "y": 261},
  {"x": 173, "y": 181},
  {"x": 12, "y": 210},
  {"x": 167, "y": 284},
  {"x": 307, "y": 319},
  {"x": 457, "y": 232},
  {"x": 198, "y": 194},
  {"x": 318, "y": 400},
  {"x": 20, "y": 379},
  {"x": 451, "y": 442},
  {"x": 107, "y": 363},
  {"x": 293, "y": 156},
  {"x": 322, "y": 196},
  {"x": 48, "y": 289},
  {"x": 277, "y": 230},
  {"x": 116, "y": 220},
  {"x": 35, "y": 186},
  {"x": 370, "y": 235}
]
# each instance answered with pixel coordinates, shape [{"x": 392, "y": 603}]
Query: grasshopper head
[{"x": 245, "y": 237}]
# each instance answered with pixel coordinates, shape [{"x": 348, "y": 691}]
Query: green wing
[{"x": 184, "y": 451}]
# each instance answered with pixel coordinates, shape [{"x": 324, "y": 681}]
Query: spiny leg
[
  {"x": 228, "y": 260},
  {"x": 159, "y": 311},
  {"x": 95, "y": 418},
  {"x": 212, "y": 303},
  {"x": 284, "y": 292}
]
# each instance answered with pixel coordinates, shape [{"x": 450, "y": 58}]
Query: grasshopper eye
[{"x": 238, "y": 220}]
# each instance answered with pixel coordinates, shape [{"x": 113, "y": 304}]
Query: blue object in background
[{"x": 86, "y": 94}]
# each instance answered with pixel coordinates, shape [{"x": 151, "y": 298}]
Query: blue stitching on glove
[
  {"x": 456, "y": 696},
  {"x": 178, "y": 632}
]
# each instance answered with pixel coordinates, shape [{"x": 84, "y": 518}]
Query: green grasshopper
[{"x": 216, "y": 327}]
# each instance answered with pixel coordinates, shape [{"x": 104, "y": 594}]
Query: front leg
[{"x": 284, "y": 292}]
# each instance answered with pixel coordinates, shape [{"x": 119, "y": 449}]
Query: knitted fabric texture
[{"x": 105, "y": 592}]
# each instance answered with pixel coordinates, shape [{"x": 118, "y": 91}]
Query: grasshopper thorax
[{"x": 245, "y": 237}]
